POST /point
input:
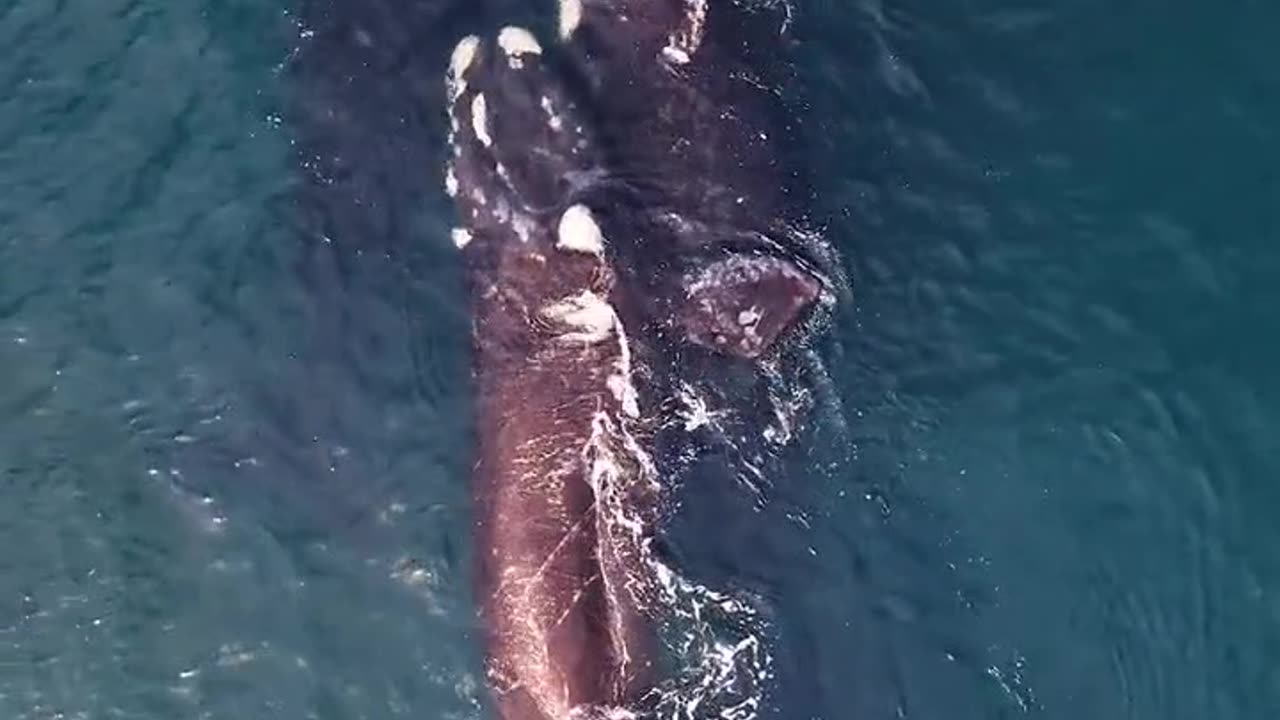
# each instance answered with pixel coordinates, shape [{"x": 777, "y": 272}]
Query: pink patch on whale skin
[{"x": 742, "y": 305}]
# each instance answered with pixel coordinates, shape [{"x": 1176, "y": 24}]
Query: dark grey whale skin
[
  {"x": 708, "y": 174},
  {"x": 585, "y": 348}
]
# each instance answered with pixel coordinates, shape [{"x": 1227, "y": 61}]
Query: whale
[
  {"x": 692, "y": 101},
  {"x": 631, "y": 258},
  {"x": 557, "y": 573}
]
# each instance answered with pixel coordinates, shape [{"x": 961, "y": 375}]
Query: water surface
[{"x": 233, "y": 441}]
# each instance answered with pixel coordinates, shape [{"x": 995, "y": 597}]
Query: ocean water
[{"x": 233, "y": 420}]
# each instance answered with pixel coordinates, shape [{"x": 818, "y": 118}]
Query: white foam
[
  {"x": 685, "y": 40},
  {"x": 578, "y": 231},
  {"x": 695, "y": 412},
  {"x": 461, "y": 58},
  {"x": 730, "y": 668},
  {"x": 480, "y": 120},
  {"x": 553, "y": 118},
  {"x": 586, "y": 712},
  {"x": 518, "y": 41},
  {"x": 624, "y": 391},
  {"x": 570, "y": 17},
  {"x": 461, "y": 237}
]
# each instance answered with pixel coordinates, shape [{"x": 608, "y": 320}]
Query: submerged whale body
[{"x": 625, "y": 236}]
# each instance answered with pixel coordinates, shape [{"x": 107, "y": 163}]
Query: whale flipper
[{"x": 741, "y": 305}]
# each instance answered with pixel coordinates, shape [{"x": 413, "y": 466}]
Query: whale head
[{"x": 528, "y": 175}]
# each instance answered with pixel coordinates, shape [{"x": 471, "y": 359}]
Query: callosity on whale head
[
  {"x": 522, "y": 166},
  {"x": 519, "y": 145}
]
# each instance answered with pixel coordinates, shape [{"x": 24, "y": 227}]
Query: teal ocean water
[{"x": 233, "y": 424}]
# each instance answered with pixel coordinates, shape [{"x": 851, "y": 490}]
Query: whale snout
[
  {"x": 519, "y": 142},
  {"x": 521, "y": 162}
]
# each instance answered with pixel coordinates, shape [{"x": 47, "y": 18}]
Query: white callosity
[
  {"x": 578, "y": 231},
  {"x": 570, "y": 17},
  {"x": 460, "y": 60},
  {"x": 450, "y": 181},
  {"x": 516, "y": 41},
  {"x": 461, "y": 237},
  {"x": 480, "y": 120},
  {"x": 589, "y": 317},
  {"x": 463, "y": 55}
]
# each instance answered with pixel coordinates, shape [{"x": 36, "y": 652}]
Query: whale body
[{"x": 627, "y": 240}]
